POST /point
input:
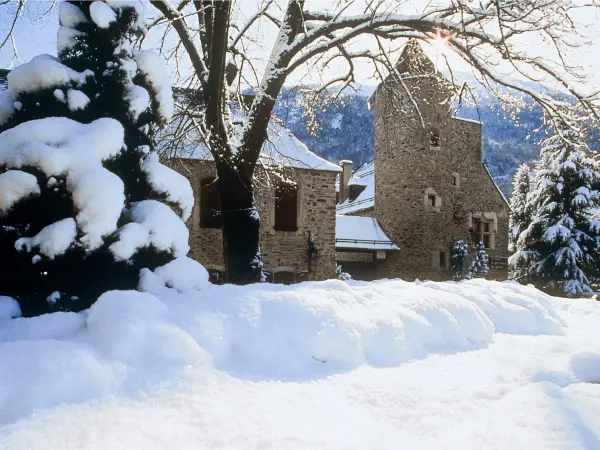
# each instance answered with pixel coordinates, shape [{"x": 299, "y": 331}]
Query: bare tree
[
  {"x": 218, "y": 47},
  {"x": 482, "y": 33}
]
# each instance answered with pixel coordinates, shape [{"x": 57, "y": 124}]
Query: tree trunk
[{"x": 240, "y": 225}]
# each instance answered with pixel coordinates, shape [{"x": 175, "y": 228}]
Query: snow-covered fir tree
[
  {"x": 520, "y": 209},
  {"x": 480, "y": 264},
  {"x": 459, "y": 264},
  {"x": 84, "y": 201},
  {"x": 560, "y": 249}
]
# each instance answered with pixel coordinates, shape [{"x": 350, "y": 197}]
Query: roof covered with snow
[
  {"x": 281, "y": 148},
  {"x": 464, "y": 119},
  {"x": 364, "y": 176},
  {"x": 361, "y": 233}
]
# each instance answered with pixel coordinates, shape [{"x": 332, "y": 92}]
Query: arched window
[
  {"x": 286, "y": 207},
  {"x": 284, "y": 277},
  {"x": 210, "y": 203}
]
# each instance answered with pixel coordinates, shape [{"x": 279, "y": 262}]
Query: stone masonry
[
  {"x": 282, "y": 251},
  {"x": 430, "y": 183}
]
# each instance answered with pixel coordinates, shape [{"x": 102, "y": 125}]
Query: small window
[
  {"x": 210, "y": 203},
  {"x": 434, "y": 138},
  {"x": 431, "y": 200},
  {"x": 455, "y": 179},
  {"x": 442, "y": 259},
  {"x": 286, "y": 207},
  {"x": 284, "y": 277}
]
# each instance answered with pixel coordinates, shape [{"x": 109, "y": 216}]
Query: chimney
[{"x": 345, "y": 178}]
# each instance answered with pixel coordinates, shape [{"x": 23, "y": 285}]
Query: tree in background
[
  {"x": 459, "y": 265},
  {"x": 84, "y": 202},
  {"x": 560, "y": 249},
  {"x": 520, "y": 210},
  {"x": 480, "y": 264}
]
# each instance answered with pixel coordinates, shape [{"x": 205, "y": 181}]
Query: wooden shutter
[
  {"x": 210, "y": 204},
  {"x": 286, "y": 208}
]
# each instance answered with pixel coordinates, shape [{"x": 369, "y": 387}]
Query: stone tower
[{"x": 429, "y": 178}]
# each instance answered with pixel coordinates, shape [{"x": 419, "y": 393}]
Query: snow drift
[{"x": 128, "y": 341}]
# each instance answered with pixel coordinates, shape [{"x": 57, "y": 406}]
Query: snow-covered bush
[
  {"x": 84, "y": 201},
  {"x": 560, "y": 249},
  {"x": 480, "y": 264},
  {"x": 344, "y": 276},
  {"x": 459, "y": 265}
]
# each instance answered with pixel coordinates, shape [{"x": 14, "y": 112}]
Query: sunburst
[{"x": 440, "y": 43}]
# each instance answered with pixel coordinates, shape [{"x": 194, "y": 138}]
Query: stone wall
[
  {"x": 408, "y": 168},
  {"x": 281, "y": 250}
]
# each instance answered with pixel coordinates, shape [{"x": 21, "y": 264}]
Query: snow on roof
[
  {"x": 355, "y": 232},
  {"x": 364, "y": 176},
  {"x": 280, "y": 148},
  {"x": 463, "y": 119}
]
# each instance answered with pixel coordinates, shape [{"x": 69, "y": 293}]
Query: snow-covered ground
[{"x": 332, "y": 365}]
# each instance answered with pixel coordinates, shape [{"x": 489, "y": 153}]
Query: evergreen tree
[
  {"x": 480, "y": 264},
  {"x": 520, "y": 215},
  {"x": 459, "y": 261},
  {"x": 84, "y": 201},
  {"x": 559, "y": 250}
]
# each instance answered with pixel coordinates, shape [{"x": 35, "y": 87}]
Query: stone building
[
  {"x": 295, "y": 192},
  {"x": 427, "y": 186}
]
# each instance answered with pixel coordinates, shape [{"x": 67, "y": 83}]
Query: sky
[{"x": 35, "y": 33}]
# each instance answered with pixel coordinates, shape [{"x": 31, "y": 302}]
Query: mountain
[{"x": 343, "y": 128}]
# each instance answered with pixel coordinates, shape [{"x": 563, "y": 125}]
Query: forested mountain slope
[{"x": 343, "y": 128}]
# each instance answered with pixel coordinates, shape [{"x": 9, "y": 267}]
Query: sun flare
[{"x": 440, "y": 43}]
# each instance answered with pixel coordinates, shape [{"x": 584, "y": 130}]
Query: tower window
[
  {"x": 434, "y": 138},
  {"x": 431, "y": 200},
  {"x": 455, "y": 179}
]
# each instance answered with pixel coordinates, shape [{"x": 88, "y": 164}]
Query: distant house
[
  {"x": 296, "y": 196},
  {"x": 426, "y": 188}
]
